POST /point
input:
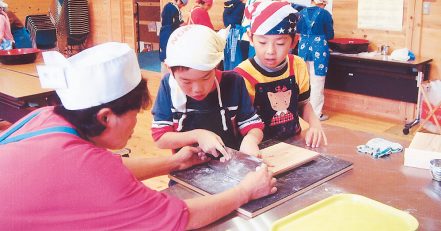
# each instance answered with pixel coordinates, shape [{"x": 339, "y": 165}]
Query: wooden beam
[{"x": 417, "y": 28}]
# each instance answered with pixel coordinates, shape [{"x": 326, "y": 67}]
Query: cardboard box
[{"x": 423, "y": 148}]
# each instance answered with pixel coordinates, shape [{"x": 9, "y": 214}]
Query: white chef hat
[
  {"x": 92, "y": 77},
  {"x": 195, "y": 46}
]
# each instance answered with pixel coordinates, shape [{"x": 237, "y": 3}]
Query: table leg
[{"x": 408, "y": 126}]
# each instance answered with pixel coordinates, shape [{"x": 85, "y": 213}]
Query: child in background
[
  {"x": 197, "y": 104},
  {"x": 21, "y": 35},
  {"x": 199, "y": 13},
  {"x": 236, "y": 49},
  {"x": 278, "y": 82},
  {"x": 171, "y": 19},
  {"x": 6, "y": 38},
  {"x": 315, "y": 27},
  {"x": 233, "y": 12}
]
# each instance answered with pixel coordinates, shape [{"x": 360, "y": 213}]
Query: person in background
[
  {"x": 233, "y": 13},
  {"x": 199, "y": 13},
  {"x": 171, "y": 19},
  {"x": 277, "y": 81},
  {"x": 199, "y": 105},
  {"x": 57, "y": 173},
  {"x": 6, "y": 38},
  {"x": 21, "y": 35},
  {"x": 236, "y": 50},
  {"x": 316, "y": 28}
]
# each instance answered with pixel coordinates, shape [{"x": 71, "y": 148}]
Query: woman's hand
[{"x": 258, "y": 184}]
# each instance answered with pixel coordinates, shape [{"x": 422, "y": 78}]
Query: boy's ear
[
  {"x": 103, "y": 116},
  {"x": 295, "y": 41},
  {"x": 250, "y": 36}
]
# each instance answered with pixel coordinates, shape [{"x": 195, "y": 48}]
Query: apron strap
[
  {"x": 59, "y": 129},
  {"x": 310, "y": 22},
  {"x": 291, "y": 65},
  {"x": 190, "y": 18},
  {"x": 4, "y": 139},
  {"x": 18, "y": 126},
  {"x": 222, "y": 111},
  {"x": 246, "y": 75}
]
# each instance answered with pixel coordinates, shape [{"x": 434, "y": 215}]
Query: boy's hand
[
  {"x": 258, "y": 184},
  {"x": 211, "y": 143},
  {"x": 189, "y": 156},
  {"x": 314, "y": 136},
  {"x": 250, "y": 149},
  {"x": 250, "y": 143}
]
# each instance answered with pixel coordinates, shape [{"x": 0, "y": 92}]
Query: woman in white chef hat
[{"x": 57, "y": 173}]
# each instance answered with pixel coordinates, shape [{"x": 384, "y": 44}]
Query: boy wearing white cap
[
  {"x": 57, "y": 173},
  {"x": 278, "y": 82},
  {"x": 197, "y": 104}
]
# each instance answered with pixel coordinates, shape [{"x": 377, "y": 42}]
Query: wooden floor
[{"x": 141, "y": 143}]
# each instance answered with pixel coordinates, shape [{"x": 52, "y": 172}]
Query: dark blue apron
[
  {"x": 286, "y": 124},
  {"x": 212, "y": 121},
  {"x": 6, "y": 139},
  {"x": 314, "y": 47}
]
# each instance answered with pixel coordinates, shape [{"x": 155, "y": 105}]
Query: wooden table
[
  {"x": 20, "y": 91},
  {"x": 385, "y": 180},
  {"x": 28, "y": 69}
]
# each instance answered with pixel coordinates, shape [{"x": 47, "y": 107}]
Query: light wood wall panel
[
  {"x": 112, "y": 20},
  {"x": 22, "y": 8},
  {"x": 431, "y": 37},
  {"x": 368, "y": 105},
  {"x": 345, "y": 25}
]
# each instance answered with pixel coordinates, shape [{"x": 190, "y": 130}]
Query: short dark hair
[
  {"x": 179, "y": 68},
  {"x": 85, "y": 120}
]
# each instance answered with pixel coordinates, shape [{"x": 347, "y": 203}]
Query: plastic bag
[{"x": 433, "y": 90}]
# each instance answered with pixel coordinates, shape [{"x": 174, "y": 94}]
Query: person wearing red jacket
[{"x": 199, "y": 13}]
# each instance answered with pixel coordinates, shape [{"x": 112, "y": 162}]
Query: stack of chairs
[
  {"x": 42, "y": 31},
  {"x": 77, "y": 12},
  {"x": 72, "y": 22}
]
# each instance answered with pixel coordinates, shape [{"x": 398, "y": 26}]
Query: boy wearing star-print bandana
[{"x": 277, "y": 81}]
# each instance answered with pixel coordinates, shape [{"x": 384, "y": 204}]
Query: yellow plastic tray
[{"x": 347, "y": 212}]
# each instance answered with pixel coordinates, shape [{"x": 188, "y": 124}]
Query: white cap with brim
[
  {"x": 195, "y": 46},
  {"x": 93, "y": 77}
]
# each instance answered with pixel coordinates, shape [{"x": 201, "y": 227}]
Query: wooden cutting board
[{"x": 282, "y": 157}]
